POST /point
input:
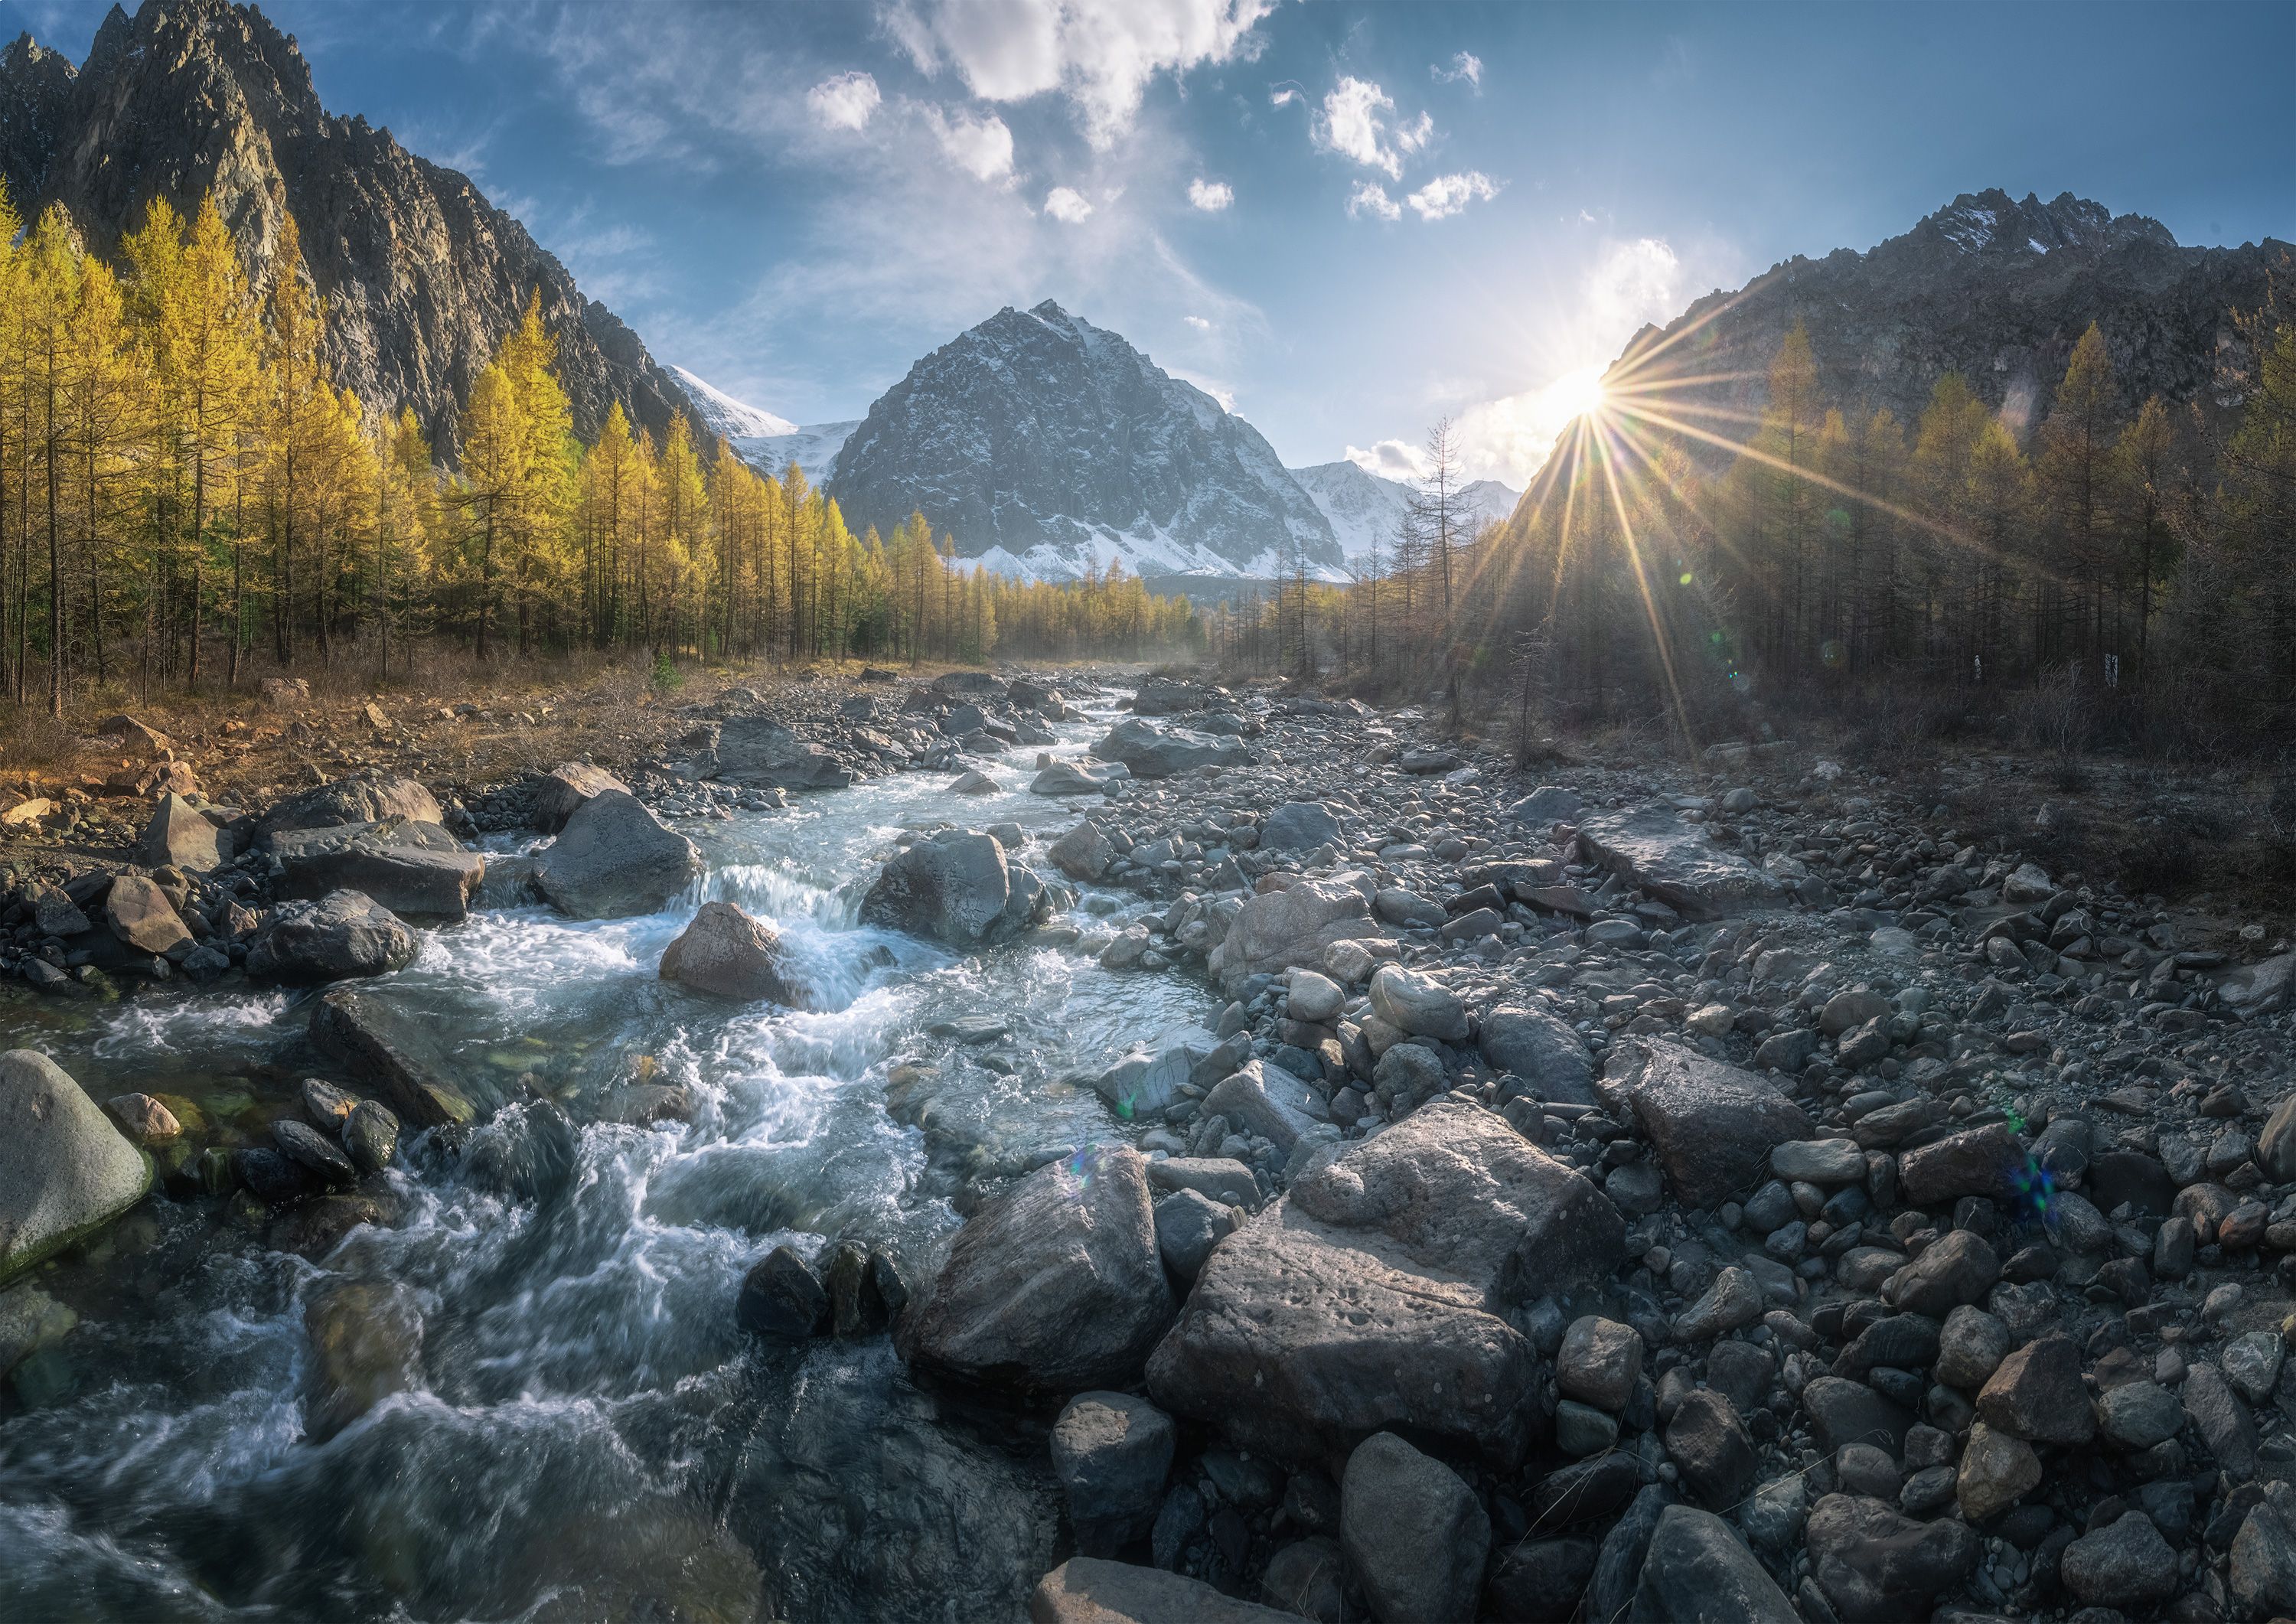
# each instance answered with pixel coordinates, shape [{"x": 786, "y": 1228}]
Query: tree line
[
  {"x": 2134, "y": 562},
  {"x": 185, "y": 493}
]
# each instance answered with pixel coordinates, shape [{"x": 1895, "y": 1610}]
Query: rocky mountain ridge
[
  {"x": 422, "y": 274},
  {"x": 1046, "y": 445},
  {"x": 1994, "y": 288}
]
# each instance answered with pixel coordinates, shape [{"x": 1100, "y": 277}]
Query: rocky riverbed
[{"x": 954, "y": 1151}]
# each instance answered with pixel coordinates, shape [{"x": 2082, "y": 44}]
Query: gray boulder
[
  {"x": 402, "y": 1056},
  {"x": 757, "y": 750},
  {"x": 1371, "y": 1296},
  {"x": 367, "y": 798},
  {"x": 1069, "y": 778},
  {"x": 728, "y": 954},
  {"x": 179, "y": 833},
  {"x": 1418, "y": 1005},
  {"x": 1092, "y": 1590},
  {"x": 1416, "y": 1534},
  {"x": 957, "y": 888},
  {"x": 565, "y": 789},
  {"x": 1547, "y": 805},
  {"x": 142, "y": 918},
  {"x": 1698, "y": 1571},
  {"x": 1083, "y": 853},
  {"x": 1054, "y": 1285},
  {"x": 411, "y": 868},
  {"x": 1713, "y": 1125},
  {"x": 1111, "y": 1452},
  {"x": 1526, "y": 1041},
  {"x": 1300, "y": 826},
  {"x": 1677, "y": 863},
  {"x": 1277, "y": 929},
  {"x": 615, "y": 859},
  {"x": 345, "y": 933},
  {"x": 1188, "y": 1225},
  {"x": 1149, "y": 752},
  {"x": 1877, "y": 1566},
  {"x": 65, "y": 1169},
  {"x": 1269, "y": 1102}
]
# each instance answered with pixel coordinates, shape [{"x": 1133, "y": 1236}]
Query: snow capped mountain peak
[
  {"x": 1046, "y": 445},
  {"x": 736, "y": 419}
]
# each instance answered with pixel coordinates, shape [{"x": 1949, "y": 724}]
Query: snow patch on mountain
[
  {"x": 813, "y": 448},
  {"x": 721, "y": 413}
]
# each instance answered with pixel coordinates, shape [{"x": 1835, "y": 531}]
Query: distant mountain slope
[
  {"x": 767, "y": 442},
  {"x": 1045, "y": 444},
  {"x": 423, "y": 275},
  {"x": 1365, "y": 508},
  {"x": 1993, "y": 288}
]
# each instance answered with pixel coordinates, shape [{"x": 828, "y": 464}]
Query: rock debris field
[{"x": 1661, "y": 1195}]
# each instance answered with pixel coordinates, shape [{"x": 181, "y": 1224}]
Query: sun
[{"x": 1575, "y": 395}]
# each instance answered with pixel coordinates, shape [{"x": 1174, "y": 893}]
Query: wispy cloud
[
  {"x": 1465, "y": 69},
  {"x": 1446, "y": 194},
  {"x": 1369, "y": 197},
  {"x": 1100, "y": 54},
  {"x": 843, "y": 102},
  {"x": 1359, "y": 123}
]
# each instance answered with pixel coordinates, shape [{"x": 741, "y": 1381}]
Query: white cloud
[
  {"x": 843, "y": 102},
  {"x": 1099, "y": 53},
  {"x": 1198, "y": 323},
  {"x": 982, "y": 146},
  {"x": 1283, "y": 95},
  {"x": 1466, "y": 68},
  {"x": 1370, "y": 197},
  {"x": 1066, "y": 205},
  {"x": 1211, "y": 196},
  {"x": 1390, "y": 459},
  {"x": 1446, "y": 194},
  {"x": 1357, "y": 124},
  {"x": 1217, "y": 390}
]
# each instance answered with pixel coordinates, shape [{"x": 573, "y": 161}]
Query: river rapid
[{"x": 588, "y": 1436}]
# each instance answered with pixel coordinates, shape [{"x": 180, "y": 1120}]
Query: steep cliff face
[
  {"x": 1045, "y": 444},
  {"x": 423, "y": 275},
  {"x": 1993, "y": 288}
]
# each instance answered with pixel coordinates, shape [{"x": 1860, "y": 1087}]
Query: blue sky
[{"x": 1346, "y": 218}]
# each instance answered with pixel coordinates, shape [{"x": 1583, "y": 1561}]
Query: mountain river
[{"x": 587, "y": 1435}]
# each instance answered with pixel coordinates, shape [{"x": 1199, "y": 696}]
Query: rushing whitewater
[{"x": 588, "y": 1435}]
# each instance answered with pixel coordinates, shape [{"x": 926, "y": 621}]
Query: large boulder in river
[
  {"x": 1054, "y": 1286},
  {"x": 412, "y": 868},
  {"x": 1677, "y": 863},
  {"x": 367, "y": 799},
  {"x": 1278, "y": 930},
  {"x": 727, "y": 954},
  {"x": 757, "y": 750},
  {"x": 345, "y": 933},
  {"x": 179, "y": 833},
  {"x": 1713, "y": 1125},
  {"x": 957, "y": 888},
  {"x": 401, "y": 1055},
  {"x": 65, "y": 1170},
  {"x": 1371, "y": 1296},
  {"x": 565, "y": 789},
  {"x": 615, "y": 859},
  {"x": 1149, "y": 752}
]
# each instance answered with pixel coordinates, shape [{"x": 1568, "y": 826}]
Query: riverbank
[{"x": 1495, "y": 1199}]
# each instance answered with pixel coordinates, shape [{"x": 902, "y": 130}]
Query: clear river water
[{"x": 587, "y": 1435}]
